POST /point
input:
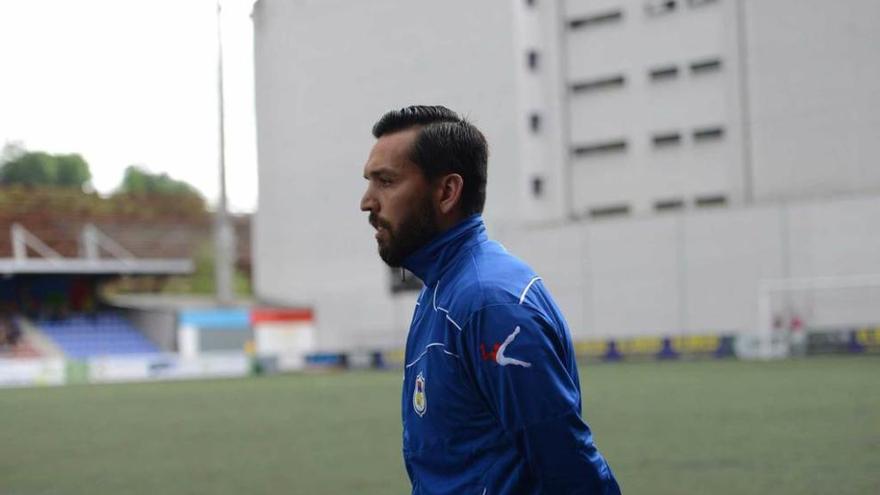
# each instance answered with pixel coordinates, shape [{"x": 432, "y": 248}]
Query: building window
[
  {"x": 666, "y": 139},
  {"x": 660, "y": 7},
  {"x": 609, "y": 211},
  {"x": 535, "y": 122},
  {"x": 705, "y": 66},
  {"x": 617, "y": 81},
  {"x": 402, "y": 280},
  {"x": 595, "y": 19},
  {"x": 532, "y": 59},
  {"x": 663, "y": 73},
  {"x": 669, "y": 204},
  {"x": 709, "y": 201},
  {"x": 601, "y": 148},
  {"x": 537, "y": 186},
  {"x": 708, "y": 133}
]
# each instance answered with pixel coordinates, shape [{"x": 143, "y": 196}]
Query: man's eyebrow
[{"x": 382, "y": 171}]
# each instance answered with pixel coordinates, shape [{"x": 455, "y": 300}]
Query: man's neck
[{"x": 446, "y": 222}]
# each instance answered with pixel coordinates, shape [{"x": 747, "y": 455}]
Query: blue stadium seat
[{"x": 81, "y": 336}]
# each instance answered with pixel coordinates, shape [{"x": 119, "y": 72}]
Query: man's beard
[{"x": 413, "y": 232}]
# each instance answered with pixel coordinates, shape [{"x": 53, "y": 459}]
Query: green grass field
[{"x": 795, "y": 427}]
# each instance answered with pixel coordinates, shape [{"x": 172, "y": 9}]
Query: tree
[
  {"x": 29, "y": 169},
  {"x": 139, "y": 181},
  {"x": 38, "y": 168},
  {"x": 72, "y": 171}
]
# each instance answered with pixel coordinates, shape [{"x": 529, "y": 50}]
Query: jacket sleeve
[{"x": 520, "y": 364}]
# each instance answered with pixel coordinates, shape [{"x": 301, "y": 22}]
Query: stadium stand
[
  {"x": 150, "y": 226},
  {"x": 101, "y": 334}
]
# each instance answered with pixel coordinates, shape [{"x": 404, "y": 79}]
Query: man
[{"x": 491, "y": 398}]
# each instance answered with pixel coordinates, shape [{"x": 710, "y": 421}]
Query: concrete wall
[
  {"x": 160, "y": 326},
  {"x": 542, "y": 95},
  {"x": 795, "y": 96},
  {"x": 813, "y": 92},
  {"x": 642, "y": 107},
  {"x": 325, "y": 72},
  {"x": 699, "y": 272}
]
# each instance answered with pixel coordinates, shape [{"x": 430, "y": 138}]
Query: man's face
[{"x": 398, "y": 197}]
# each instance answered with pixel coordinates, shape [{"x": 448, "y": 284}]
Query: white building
[{"x": 653, "y": 160}]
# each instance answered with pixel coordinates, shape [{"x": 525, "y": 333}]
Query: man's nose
[{"x": 368, "y": 203}]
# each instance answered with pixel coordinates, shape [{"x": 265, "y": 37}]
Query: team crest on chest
[{"x": 420, "y": 401}]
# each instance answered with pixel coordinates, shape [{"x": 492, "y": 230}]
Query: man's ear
[{"x": 449, "y": 192}]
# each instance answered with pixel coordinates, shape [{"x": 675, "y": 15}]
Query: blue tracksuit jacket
[{"x": 491, "y": 398}]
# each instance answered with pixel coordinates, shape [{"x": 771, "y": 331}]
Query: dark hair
[{"x": 446, "y": 144}]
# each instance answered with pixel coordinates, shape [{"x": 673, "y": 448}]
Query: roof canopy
[
  {"x": 171, "y": 266},
  {"x": 93, "y": 243}
]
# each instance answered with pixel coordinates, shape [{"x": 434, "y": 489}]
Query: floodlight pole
[{"x": 223, "y": 233}]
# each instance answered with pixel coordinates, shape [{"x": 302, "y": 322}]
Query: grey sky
[{"x": 131, "y": 82}]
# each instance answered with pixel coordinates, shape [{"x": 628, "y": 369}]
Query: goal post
[{"x": 788, "y": 308}]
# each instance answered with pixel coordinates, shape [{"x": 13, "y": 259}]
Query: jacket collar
[{"x": 431, "y": 260}]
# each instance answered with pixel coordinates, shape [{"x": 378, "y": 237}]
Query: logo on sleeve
[
  {"x": 420, "y": 402},
  {"x": 498, "y": 351}
]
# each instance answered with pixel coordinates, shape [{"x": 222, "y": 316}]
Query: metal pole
[
  {"x": 224, "y": 236},
  {"x": 19, "y": 244}
]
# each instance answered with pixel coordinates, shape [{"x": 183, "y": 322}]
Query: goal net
[{"x": 791, "y": 309}]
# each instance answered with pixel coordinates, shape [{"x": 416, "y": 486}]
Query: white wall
[
  {"x": 159, "y": 325},
  {"x": 814, "y": 96},
  {"x": 325, "y": 72},
  {"x": 631, "y": 47},
  {"x": 699, "y": 272}
]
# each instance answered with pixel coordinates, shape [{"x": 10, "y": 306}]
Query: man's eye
[{"x": 385, "y": 182}]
